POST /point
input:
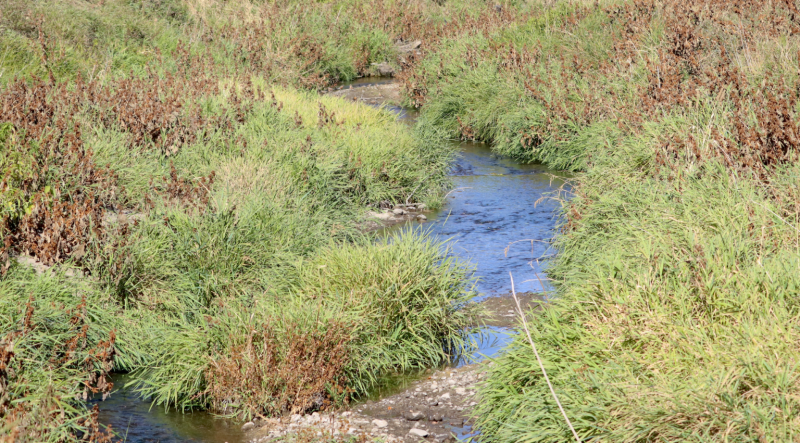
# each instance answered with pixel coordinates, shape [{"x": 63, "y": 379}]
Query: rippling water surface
[{"x": 499, "y": 216}]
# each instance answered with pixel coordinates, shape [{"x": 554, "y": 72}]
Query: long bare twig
[{"x": 541, "y": 365}]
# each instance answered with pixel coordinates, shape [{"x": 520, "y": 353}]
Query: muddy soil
[
  {"x": 393, "y": 215},
  {"x": 501, "y": 311}
]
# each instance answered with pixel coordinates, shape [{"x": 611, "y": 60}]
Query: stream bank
[{"x": 497, "y": 216}]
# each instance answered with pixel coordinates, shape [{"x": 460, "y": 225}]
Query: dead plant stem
[{"x": 541, "y": 365}]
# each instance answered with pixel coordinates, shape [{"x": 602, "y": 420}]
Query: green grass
[
  {"x": 675, "y": 304},
  {"x": 675, "y": 307},
  {"x": 243, "y": 228},
  {"x": 674, "y": 319},
  {"x": 276, "y": 249}
]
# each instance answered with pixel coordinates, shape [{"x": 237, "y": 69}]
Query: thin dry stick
[{"x": 541, "y": 365}]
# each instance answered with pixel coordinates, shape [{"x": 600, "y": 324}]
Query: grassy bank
[
  {"x": 199, "y": 214},
  {"x": 676, "y": 304},
  {"x": 175, "y": 207}
]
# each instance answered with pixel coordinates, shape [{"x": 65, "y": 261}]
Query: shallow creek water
[{"x": 497, "y": 216}]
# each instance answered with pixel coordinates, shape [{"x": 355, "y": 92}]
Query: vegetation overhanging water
[{"x": 149, "y": 227}]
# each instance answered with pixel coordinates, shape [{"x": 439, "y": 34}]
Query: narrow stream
[{"x": 497, "y": 216}]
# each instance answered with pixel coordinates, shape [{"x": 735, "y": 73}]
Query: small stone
[
  {"x": 445, "y": 396},
  {"x": 384, "y": 69},
  {"x": 380, "y": 423},
  {"x": 295, "y": 418},
  {"x": 413, "y": 416},
  {"x": 461, "y": 391},
  {"x": 434, "y": 403},
  {"x": 248, "y": 426},
  {"x": 418, "y": 432},
  {"x": 398, "y": 211},
  {"x": 436, "y": 417},
  {"x": 421, "y": 217}
]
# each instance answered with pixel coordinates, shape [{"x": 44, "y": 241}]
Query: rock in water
[
  {"x": 384, "y": 69},
  {"x": 248, "y": 426},
  {"x": 413, "y": 416}
]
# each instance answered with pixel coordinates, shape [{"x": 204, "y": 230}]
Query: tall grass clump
[
  {"x": 325, "y": 330},
  {"x": 204, "y": 235}
]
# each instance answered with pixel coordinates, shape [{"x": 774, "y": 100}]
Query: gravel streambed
[{"x": 435, "y": 408}]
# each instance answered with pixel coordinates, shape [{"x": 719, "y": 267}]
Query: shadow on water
[{"x": 137, "y": 422}]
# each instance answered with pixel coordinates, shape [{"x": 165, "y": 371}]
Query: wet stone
[
  {"x": 413, "y": 416},
  {"x": 384, "y": 69}
]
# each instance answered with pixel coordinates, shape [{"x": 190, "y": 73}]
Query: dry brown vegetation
[{"x": 273, "y": 375}]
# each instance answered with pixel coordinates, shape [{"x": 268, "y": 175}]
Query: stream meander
[{"x": 494, "y": 218}]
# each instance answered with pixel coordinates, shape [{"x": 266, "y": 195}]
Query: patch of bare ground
[{"x": 435, "y": 408}]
